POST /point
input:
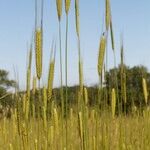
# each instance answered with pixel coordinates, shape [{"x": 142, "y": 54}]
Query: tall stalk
[
  {"x": 80, "y": 71},
  {"x": 61, "y": 73},
  {"x": 59, "y": 13},
  {"x": 67, "y": 7},
  {"x": 123, "y": 78},
  {"x": 39, "y": 49}
]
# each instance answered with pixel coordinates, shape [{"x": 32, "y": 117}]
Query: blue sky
[{"x": 17, "y": 22}]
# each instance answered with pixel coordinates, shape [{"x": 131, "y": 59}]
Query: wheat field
[{"x": 41, "y": 120}]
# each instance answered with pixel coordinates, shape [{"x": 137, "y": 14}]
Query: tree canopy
[{"x": 5, "y": 85}]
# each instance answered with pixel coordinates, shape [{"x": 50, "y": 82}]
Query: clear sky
[{"x": 130, "y": 17}]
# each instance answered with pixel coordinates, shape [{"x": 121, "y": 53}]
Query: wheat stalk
[
  {"x": 24, "y": 103},
  {"x": 67, "y": 7},
  {"x": 35, "y": 144},
  {"x": 51, "y": 135},
  {"x": 28, "y": 93},
  {"x": 45, "y": 97},
  {"x": 59, "y": 13},
  {"x": 124, "y": 88},
  {"x": 123, "y": 76},
  {"x": 10, "y": 147},
  {"x": 81, "y": 77}
]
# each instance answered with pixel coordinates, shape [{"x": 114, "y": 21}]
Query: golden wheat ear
[
  {"x": 113, "y": 102},
  {"x": 59, "y": 8}
]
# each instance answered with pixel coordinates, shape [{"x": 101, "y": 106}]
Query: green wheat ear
[
  {"x": 101, "y": 55},
  {"x": 108, "y": 13}
]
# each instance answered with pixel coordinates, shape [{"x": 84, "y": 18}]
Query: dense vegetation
[{"x": 135, "y": 96}]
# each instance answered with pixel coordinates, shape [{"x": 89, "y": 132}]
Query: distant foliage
[
  {"x": 5, "y": 85},
  {"x": 134, "y": 75}
]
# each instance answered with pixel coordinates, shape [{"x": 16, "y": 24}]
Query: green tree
[
  {"x": 134, "y": 90},
  {"x": 5, "y": 85}
]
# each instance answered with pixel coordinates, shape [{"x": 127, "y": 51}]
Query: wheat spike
[
  {"x": 17, "y": 115},
  {"x": 93, "y": 115},
  {"x": 59, "y": 9},
  {"x": 113, "y": 102},
  {"x": 24, "y": 103},
  {"x": 27, "y": 107},
  {"x": 71, "y": 118},
  {"x": 56, "y": 121},
  {"x": 51, "y": 73},
  {"x": 77, "y": 16},
  {"x": 24, "y": 136},
  {"x": 85, "y": 95},
  {"x": 80, "y": 126},
  {"x": 81, "y": 77},
  {"x": 122, "y": 58},
  {"x": 123, "y": 76},
  {"x": 101, "y": 55},
  {"x": 33, "y": 110},
  {"x": 145, "y": 90},
  {"x": 14, "y": 125},
  {"x": 28, "y": 93},
  {"x": 36, "y": 144},
  {"x": 34, "y": 84},
  {"x": 112, "y": 35},
  {"x": 124, "y": 88},
  {"x": 44, "y": 117},
  {"x": 107, "y": 14},
  {"x": 94, "y": 143},
  {"x": 38, "y": 51},
  {"x": 50, "y": 80},
  {"x": 45, "y": 97},
  {"x": 28, "y": 82},
  {"x": 67, "y": 5},
  {"x": 30, "y": 57},
  {"x": 10, "y": 147},
  {"x": 28, "y": 85},
  {"x": 52, "y": 135},
  {"x": 29, "y": 72}
]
